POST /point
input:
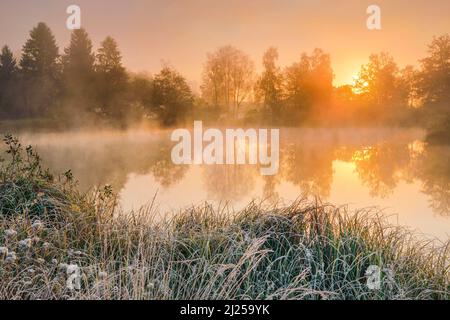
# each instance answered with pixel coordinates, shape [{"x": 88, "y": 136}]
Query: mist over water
[{"x": 389, "y": 168}]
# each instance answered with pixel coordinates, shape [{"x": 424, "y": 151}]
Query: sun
[
  {"x": 355, "y": 78},
  {"x": 356, "y": 81}
]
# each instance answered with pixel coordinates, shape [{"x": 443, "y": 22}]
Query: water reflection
[
  {"x": 433, "y": 169},
  {"x": 383, "y": 162},
  {"x": 308, "y": 166},
  {"x": 382, "y": 166},
  {"x": 229, "y": 183}
]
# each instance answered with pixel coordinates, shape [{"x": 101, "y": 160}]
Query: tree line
[
  {"x": 80, "y": 84},
  {"x": 382, "y": 92}
]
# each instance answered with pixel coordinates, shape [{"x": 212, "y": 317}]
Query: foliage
[
  {"x": 435, "y": 74},
  {"x": 78, "y": 72},
  {"x": 269, "y": 85},
  {"x": 172, "y": 96},
  {"x": 308, "y": 85},
  {"x": 112, "y": 79},
  {"x": 8, "y": 80},
  {"x": 40, "y": 70}
]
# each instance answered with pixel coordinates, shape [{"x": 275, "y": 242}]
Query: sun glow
[
  {"x": 355, "y": 79},
  {"x": 356, "y": 84}
]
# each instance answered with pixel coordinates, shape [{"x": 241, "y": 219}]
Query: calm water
[{"x": 392, "y": 169}]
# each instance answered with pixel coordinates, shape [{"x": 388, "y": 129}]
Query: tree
[
  {"x": 140, "y": 91},
  {"x": 112, "y": 79},
  {"x": 435, "y": 73},
  {"x": 308, "y": 85},
  {"x": 321, "y": 77},
  {"x": 8, "y": 78},
  {"x": 40, "y": 70},
  {"x": 109, "y": 57},
  {"x": 269, "y": 85},
  {"x": 172, "y": 96},
  {"x": 228, "y": 79},
  {"x": 298, "y": 93},
  {"x": 40, "y": 52},
  {"x": 8, "y": 65},
  {"x": 408, "y": 86},
  {"x": 377, "y": 80},
  {"x": 78, "y": 69},
  {"x": 434, "y": 89},
  {"x": 385, "y": 91}
]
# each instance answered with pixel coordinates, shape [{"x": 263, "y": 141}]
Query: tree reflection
[
  {"x": 229, "y": 183},
  {"x": 165, "y": 172},
  {"x": 111, "y": 158},
  {"x": 382, "y": 166},
  {"x": 309, "y": 167},
  {"x": 434, "y": 172},
  {"x": 269, "y": 190}
]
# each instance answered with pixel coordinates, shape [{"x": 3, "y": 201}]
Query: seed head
[
  {"x": 25, "y": 244},
  {"x": 10, "y": 233},
  {"x": 46, "y": 245},
  {"x": 63, "y": 267},
  {"x": 3, "y": 252},
  {"x": 37, "y": 226},
  {"x": 11, "y": 258}
]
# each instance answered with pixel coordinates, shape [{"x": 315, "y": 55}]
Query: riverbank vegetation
[{"x": 59, "y": 243}]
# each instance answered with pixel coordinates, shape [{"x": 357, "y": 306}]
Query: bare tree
[{"x": 228, "y": 78}]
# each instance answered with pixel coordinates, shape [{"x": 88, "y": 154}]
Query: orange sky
[{"x": 181, "y": 32}]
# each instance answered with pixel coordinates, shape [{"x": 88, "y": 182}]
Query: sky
[{"x": 180, "y": 33}]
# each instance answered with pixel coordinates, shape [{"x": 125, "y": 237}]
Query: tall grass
[{"x": 308, "y": 250}]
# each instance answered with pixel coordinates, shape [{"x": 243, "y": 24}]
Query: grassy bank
[{"x": 57, "y": 243}]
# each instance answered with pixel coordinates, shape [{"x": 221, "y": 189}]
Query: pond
[{"x": 392, "y": 169}]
